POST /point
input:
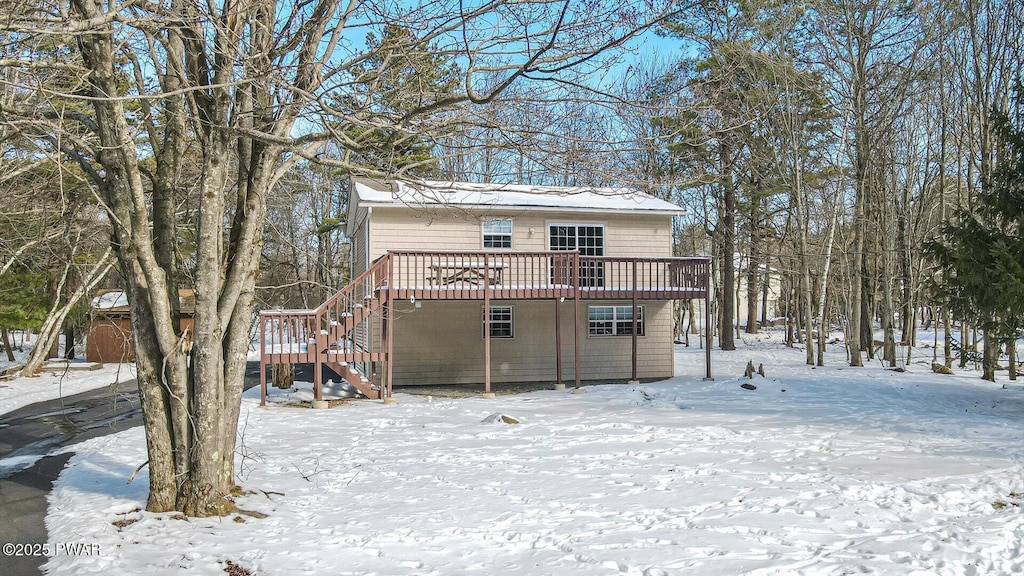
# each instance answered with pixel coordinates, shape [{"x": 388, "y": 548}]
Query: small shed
[{"x": 110, "y": 325}]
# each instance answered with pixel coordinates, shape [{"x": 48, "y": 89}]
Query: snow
[
  {"x": 466, "y": 194},
  {"x": 110, "y": 300},
  {"x": 56, "y": 380},
  {"x": 51, "y": 384},
  {"x": 819, "y": 471}
]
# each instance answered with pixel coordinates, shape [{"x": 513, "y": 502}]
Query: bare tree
[{"x": 229, "y": 84}]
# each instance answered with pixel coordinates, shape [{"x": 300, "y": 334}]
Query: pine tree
[
  {"x": 982, "y": 251},
  {"x": 400, "y": 76},
  {"x": 23, "y": 305}
]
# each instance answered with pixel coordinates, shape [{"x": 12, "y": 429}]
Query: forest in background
[
  {"x": 866, "y": 155},
  {"x": 821, "y": 145}
]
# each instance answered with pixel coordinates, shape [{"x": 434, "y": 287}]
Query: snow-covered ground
[
  {"x": 55, "y": 380},
  {"x": 59, "y": 383},
  {"x": 831, "y": 470}
]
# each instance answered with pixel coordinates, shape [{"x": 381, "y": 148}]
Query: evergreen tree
[
  {"x": 23, "y": 305},
  {"x": 400, "y": 77},
  {"x": 982, "y": 251}
]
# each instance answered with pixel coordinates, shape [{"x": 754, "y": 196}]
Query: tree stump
[{"x": 283, "y": 376}]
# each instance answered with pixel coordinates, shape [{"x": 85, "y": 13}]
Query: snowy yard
[
  {"x": 831, "y": 470},
  {"x": 59, "y": 382}
]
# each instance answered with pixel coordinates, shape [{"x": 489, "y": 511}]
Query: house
[
  {"x": 479, "y": 283},
  {"x": 110, "y": 325}
]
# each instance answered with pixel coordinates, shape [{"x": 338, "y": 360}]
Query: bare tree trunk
[
  {"x": 804, "y": 259},
  {"x": 50, "y": 330},
  {"x": 5, "y": 339},
  {"x": 888, "y": 340},
  {"x": 833, "y": 223},
  {"x": 283, "y": 376},
  {"x": 853, "y": 339},
  {"x": 1011, "y": 353},
  {"x": 752, "y": 277},
  {"x": 726, "y": 336},
  {"x": 989, "y": 355},
  {"x": 69, "y": 342}
]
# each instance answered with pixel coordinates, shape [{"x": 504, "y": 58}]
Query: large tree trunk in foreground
[{"x": 190, "y": 404}]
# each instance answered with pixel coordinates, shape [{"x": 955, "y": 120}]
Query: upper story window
[
  {"x": 497, "y": 234},
  {"x": 589, "y": 240}
]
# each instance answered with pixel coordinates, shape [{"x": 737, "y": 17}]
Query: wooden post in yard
[
  {"x": 558, "y": 341},
  {"x": 390, "y": 337},
  {"x": 576, "y": 314},
  {"x": 263, "y": 367},
  {"x": 634, "y": 379},
  {"x": 487, "y": 329},
  {"x": 318, "y": 372}
]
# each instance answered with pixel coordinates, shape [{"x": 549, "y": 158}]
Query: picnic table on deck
[{"x": 474, "y": 272}]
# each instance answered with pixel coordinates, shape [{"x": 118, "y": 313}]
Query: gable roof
[{"x": 473, "y": 196}]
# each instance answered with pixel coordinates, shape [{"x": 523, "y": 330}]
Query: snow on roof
[
  {"x": 110, "y": 300},
  {"x": 116, "y": 301},
  {"x": 472, "y": 195}
]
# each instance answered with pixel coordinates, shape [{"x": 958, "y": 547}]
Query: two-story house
[{"x": 480, "y": 283}]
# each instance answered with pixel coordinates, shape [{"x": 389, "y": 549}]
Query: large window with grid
[
  {"x": 589, "y": 240},
  {"x": 501, "y": 322},
  {"x": 497, "y": 234},
  {"x": 614, "y": 320}
]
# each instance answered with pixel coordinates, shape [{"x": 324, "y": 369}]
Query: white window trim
[
  {"x": 641, "y": 321},
  {"x": 511, "y": 322},
  {"x": 601, "y": 225},
  {"x": 595, "y": 279},
  {"x": 511, "y": 233}
]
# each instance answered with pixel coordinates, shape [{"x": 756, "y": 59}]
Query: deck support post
[
  {"x": 318, "y": 378},
  {"x": 558, "y": 342},
  {"x": 389, "y": 303},
  {"x": 263, "y": 367},
  {"x": 385, "y": 338},
  {"x": 634, "y": 378},
  {"x": 576, "y": 316},
  {"x": 707, "y": 325},
  {"x": 487, "y": 331},
  {"x": 320, "y": 346}
]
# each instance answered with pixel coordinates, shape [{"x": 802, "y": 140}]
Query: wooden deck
[{"x": 326, "y": 335}]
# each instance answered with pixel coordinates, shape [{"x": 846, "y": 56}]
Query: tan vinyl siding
[
  {"x": 442, "y": 343},
  {"x": 359, "y": 250},
  {"x": 629, "y": 235}
]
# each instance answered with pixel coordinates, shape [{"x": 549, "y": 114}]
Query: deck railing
[
  {"x": 336, "y": 326},
  {"x": 519, "y": 275},
  {"x": 297, "y": 334}
]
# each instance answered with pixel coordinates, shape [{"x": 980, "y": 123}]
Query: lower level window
[
  {"x": 501, "y": 322},
  {"x": 614, "y": 320}
]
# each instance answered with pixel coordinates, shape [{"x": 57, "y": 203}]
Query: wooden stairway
[{"x": 345, "y": 334}]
